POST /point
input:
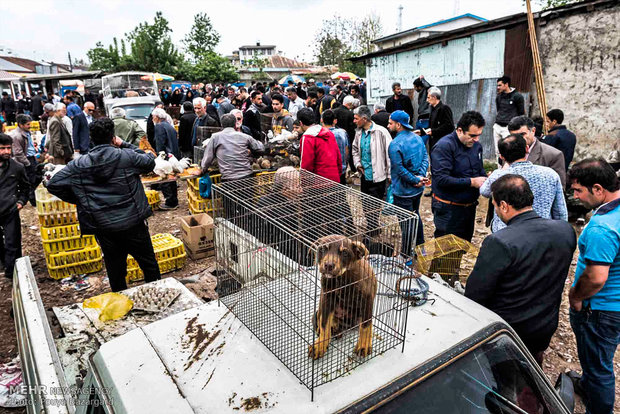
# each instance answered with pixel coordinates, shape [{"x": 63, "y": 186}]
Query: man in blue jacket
[
  {"x": 458, "y": 174},
  {"x": 409, "y": 163},
  {"x": 111, "y": 204}
]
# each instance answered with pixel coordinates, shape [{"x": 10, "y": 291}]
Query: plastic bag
[
  {"x": 10, "y": 381},
  {"x": 204, "y": 186},
  {"x": 389, "y": 197},
  {"x": 113, "y": 305}
]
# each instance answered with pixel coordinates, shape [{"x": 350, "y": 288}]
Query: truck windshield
[
  {"x": 137, "y": 111},
  {"x": 129, "y": 85},
  {"x": 494, "y": 378}
]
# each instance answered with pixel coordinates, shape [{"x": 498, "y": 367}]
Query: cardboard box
[{"x": 197, "y": 235}]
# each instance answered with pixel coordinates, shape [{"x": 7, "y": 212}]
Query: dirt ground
[{"x": 561, "y": 355}]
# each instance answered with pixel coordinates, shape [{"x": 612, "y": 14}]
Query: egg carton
[{"x": 152, "y": 299}]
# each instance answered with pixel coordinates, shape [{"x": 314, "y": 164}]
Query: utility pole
[
  {"x": 70, "y": 63},
  {"x": 399, "y": 25}
]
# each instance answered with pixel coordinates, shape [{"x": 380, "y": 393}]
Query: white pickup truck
[{"x": 458, "y": 358}]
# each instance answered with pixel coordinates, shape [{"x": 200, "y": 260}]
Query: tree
[
  {"x": 152, "y": 49},
  {"x": 211, "y": 68},
  {"x": 340, "y": 39},
  {"x": 202, "y": 39}
]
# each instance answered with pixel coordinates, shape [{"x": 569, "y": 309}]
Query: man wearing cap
[{"x": 409, "y": 163}]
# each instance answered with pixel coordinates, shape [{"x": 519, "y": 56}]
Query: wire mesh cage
[
  {"x": 316, "y": 270},
  {"x": 450, "y": 256}
]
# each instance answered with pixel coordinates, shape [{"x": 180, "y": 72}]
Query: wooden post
[{"x": 538, "y": 75}]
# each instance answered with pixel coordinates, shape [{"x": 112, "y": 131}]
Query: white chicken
[
  {"x": 179, "y": 166},
  {"x": 49, "y": 170},
  {"x": 162, "y": 166}
]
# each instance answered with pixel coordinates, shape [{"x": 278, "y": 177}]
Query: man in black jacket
[
  {"x": 509, "y": 104},
  {"x": 14, "y": 189},
  {"x": 8, "y": 107},
  {"x": 521, "y": 269},
  {"x": 186, "y": 125},
  {"x": 380, "y": 117},
  {"x": 166, "y": 141},
  {"x": 441, "y": 119},
  {"x": 424, "y": 108},
  {"x": 111, "y": 204},
  {"x": 37, "y": 105},
  {"x": 81, "y": 140},
  {"x": 559, "y": 136},
  {"x": 344, "y": 116},
  {"x": 251, "y": 117},
  {"x": 399, "y": 101}
]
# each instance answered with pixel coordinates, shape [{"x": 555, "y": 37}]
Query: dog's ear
[{"x": 359, "y": 250}]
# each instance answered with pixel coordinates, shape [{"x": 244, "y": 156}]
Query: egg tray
[{"x": 152, "y": 299}]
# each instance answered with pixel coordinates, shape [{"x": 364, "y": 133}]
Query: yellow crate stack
[
  {"x": 67, "y": 252},
  {"x": 153, "y": 198},
  {"x": 196, "y": 203},
  {"x": 169, "y": 252}
]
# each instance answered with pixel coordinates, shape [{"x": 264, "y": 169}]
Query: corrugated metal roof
[
  {"x": 503, "y": 22},
  {"x": 7, "y": 76},
  {"x": 28, "y": 64},
  {"x": 7, "y": 65}
]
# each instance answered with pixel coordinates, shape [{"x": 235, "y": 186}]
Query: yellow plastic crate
[
  {"x": 74, "y": 257},
  {"x": 153, "y": 198},
  {"x": 135, "y": 273},
  {"x": 197, "y": 204},
  {"x": 65, "y": 238},
  {"x": 193, "y": 182},
  {"x": 57, "y": 219},
  {"x": 89, "y": 266},
  {"x": 169, "y": 252},
  {"x": 48, "y": 203}
]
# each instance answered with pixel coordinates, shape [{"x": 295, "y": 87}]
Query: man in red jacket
[{"x": 319, "y": 150}]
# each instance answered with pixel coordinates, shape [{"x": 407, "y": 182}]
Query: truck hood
[{"x": 204, "y": 360}]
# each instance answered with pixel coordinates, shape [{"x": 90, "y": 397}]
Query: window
[
  {"x": 137, "y": 111},
  {"x": 494, "y": 378}
]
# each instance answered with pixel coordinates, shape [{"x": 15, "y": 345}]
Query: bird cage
[
  {"x": 451, "y": 257},
  {"x": 314, "y": 270}
]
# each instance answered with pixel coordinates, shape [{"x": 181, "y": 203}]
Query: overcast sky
[{"x": 46, "y": 29}]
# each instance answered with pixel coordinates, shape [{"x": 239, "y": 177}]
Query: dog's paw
[
  {"x": 318, "y": 349},
  {"x": 363, "y": 350},
  {"x": 364, "y": 343}
]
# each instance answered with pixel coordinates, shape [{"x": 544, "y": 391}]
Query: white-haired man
[
  {"x": 441, "y": 119},
  {"x": 381, "y": 116},
  {"x": 202, "y": 119},
  {"x": 344, "y": 117},
  {"x": 126, "y": 129},
  {"x": 59, "y": 142}
]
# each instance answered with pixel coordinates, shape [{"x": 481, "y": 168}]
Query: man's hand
[
  {"x": 428, "y": 131},
  {"x": 19, "y": 206},
  {"x": 360, "y": 170},
  {"x": 574, "y": 304},
  {"x": 422, "y": 183},
  {"x": 117, "y": 142},
  {"x": 477, "y": 182}
]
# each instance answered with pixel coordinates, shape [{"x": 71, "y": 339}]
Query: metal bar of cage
[{"x": 271, "y": 236}]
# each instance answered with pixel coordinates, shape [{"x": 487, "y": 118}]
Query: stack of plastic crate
[
  {"x": 169, "y": 252},
  {"x": 153, "y": 198},
  {"x": 196, "y": 203},
  {"x": 67, "y": 252}
]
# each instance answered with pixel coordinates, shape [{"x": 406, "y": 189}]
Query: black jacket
[
  {"x": 37, "y": 105},
  {"x": 381, "y": 118},
  {"x": 166, "y": 139},
  {"x": 24, "y": 104},
  {"x": 424, "y": 108},
  {"x": 441, "y": 123},
  {"x": 14, "y": 187},
  {"x": 251, "y": 119},
  {"x": 520, "y": 280},
  {"x": 186, "y": 129},
  {"x": 81, "y": 134},
  {"x": 105, "y": 185},
  {"x": 345, "y": 121},
  {"x": 508, "y": 106},
  {"x": 561, "y": 138},
  {"x": 8, "y": 105},
  {"x": 403, "y": 103}
]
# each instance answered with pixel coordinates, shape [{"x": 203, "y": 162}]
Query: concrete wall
[{"x": 581, "y": 63}]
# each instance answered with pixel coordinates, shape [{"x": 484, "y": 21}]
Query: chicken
[
  {"x": 162, "y": 166},
  {"x": 179, "y": 166}
]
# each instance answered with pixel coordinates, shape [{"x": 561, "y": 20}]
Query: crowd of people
[{"x": 522, "y": 267}]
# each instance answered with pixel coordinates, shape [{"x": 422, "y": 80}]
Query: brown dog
[{"x": 348, "y": 289}]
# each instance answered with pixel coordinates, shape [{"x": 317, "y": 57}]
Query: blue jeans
[
  {"x": 410, "y": 204},
  {"x": 598, "y": 336},
  {"x": 423, "y": 124}
]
